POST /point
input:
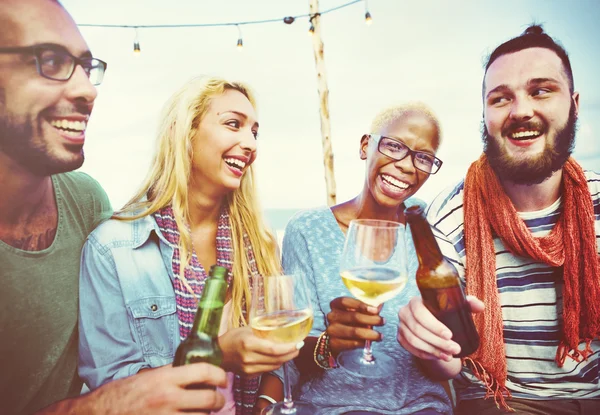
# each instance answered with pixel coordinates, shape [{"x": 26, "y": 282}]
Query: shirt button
[{"x": 153, "y": 307}]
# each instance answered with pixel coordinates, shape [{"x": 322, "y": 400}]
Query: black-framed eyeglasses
[
  {"x": 397, "y": 150},
  {"x": 56, "y": 63}
]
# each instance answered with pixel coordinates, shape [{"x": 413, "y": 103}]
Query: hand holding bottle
[
  {"x": 245, "y": 352},
  {"x": 425, "y": 336}
]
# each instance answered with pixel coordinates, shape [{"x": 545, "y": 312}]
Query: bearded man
[
  {"x": 522, "y": 230},
  {"x": 47, "y": 92}
]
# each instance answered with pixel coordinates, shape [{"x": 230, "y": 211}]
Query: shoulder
[
  {"x": 307, "y": 219},
  {"x": 80, "y": 181},
  {"x": 447, "y": 203},
  {"x": 119, "y": 233},
  {"x": 593, "y": 180}
]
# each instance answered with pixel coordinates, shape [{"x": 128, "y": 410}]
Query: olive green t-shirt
[{"x": 39, "y": 302}]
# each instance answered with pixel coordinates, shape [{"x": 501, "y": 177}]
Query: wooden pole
[{"x": 324, "y": 102}]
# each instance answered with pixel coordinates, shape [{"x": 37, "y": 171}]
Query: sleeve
[
  {"x": 444, "y": 224},
  {"x": 107, "y": 350},
  {"x": 296, "y": 260}
]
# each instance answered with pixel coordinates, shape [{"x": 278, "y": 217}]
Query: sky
[{"x": 429, "y": 51}]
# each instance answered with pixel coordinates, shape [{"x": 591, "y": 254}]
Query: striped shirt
[{"x": 531, "y": 300}]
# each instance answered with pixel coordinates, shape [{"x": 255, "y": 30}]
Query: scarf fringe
[
  {"x": 492, "y": 386},
  {"x": 578, "y": 355}
]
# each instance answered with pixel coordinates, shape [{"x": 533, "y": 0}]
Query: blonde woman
[{"x": 197, "y": 207}]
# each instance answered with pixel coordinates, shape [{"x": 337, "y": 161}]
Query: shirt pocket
[{"x": 155, "y": 323}]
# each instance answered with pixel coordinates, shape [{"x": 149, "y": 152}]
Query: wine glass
[
  {"x": 281, "y": 312},
  {"x": 374, "y": 268}
]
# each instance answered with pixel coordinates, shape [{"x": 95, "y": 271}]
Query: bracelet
[
  {"x": 322, "y": 354},
  {"x": 266, "y": 398}
]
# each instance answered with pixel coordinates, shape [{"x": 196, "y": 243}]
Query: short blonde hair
[{"x": 391, "y": 114}]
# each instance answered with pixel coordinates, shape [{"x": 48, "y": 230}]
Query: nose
[
  {"x": 406, "y": 165},
  {"x": 521, "y": 109},
  {"x": 248, "y": 142},
  {"x": 79, "y": 87}
]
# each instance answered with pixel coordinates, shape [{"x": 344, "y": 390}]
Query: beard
[
  {"x": 536, "y": 169},
  {"x": 18, "y": 141}
]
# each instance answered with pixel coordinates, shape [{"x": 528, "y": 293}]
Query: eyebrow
[
  {"x": 241, "y": 114},
  {"x": 84, "y": 54},
  {"x": 403, "y": 143},
  {"x": 531, "y": 82}
]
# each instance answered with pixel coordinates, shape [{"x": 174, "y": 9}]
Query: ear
[
  {"x": 576, "y": 102},
  {"x": 364, "y": 143}
]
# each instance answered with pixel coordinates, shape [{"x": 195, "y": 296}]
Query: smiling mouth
[
  {"x": 235, "y": 163},
  {"x": 392, "y": 181},
  {"x": 68, "y": 127},
  {"x": 525, "y": 135}
]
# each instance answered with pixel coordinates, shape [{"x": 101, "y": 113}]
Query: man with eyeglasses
[
  {"x": 522, "y": 229},
  {"x": 47, "y": 92}
]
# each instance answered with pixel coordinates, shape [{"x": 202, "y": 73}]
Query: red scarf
[{"x": 571, "y": 244}]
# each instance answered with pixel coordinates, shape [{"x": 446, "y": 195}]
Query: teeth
[
  {"x": 525, "y": 134},
  {"x": 394, "y": 182},
  {"x": 235, "y": 162},
  {"x": 69, "y": 125}
]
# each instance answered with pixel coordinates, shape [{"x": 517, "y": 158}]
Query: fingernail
[
  {"x": 372, "y": 310},
  {"x": 383, "y": 320},
  {"x": 300, "y": 345}
]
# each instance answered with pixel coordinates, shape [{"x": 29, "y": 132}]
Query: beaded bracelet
[{"x": 323, "y": 357}]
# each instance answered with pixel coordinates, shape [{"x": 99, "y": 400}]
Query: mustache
[
  {"x": 77, "y": 108},
  {"x": 526, "y": 125}
]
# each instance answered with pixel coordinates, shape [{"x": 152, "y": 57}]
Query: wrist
[{"x": 323, "y": 357}]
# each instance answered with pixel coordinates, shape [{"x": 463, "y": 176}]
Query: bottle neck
[
  {"x": 428, "y": 251},
  {"x": 210, "y": 308}
]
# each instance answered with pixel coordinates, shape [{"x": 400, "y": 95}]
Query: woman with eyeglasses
[
  {"x": 143, "y": 271},
  {"x": 400, "y": 156}
]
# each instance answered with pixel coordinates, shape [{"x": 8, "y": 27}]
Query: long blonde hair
[{"x": 167, "y": 183}]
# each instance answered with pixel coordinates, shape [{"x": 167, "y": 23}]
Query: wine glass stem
[
  {"x": 367, "y": 353},
  {"x": 288, "y": 403}
]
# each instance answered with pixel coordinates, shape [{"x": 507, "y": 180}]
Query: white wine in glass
[
  {"x": 282, "y": 312},
  {"x": 374, "y": 268}
]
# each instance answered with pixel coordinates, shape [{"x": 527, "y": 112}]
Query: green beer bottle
[{"x": 201, "y": 345}]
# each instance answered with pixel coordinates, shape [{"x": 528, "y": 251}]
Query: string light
[
  {"x": 368, "y": 18},
  {"x": 136, "y": 44},
  {"x": 240, "y": 42}
]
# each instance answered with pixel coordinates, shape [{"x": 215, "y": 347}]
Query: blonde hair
[
  {"x": 391, "y": 114},
  {"x": 167, "y": 183}
]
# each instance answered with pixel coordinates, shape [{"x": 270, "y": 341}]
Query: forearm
[
  {"x": 270, "y": 386},
  {"x": 90, "y": 403},
  {"x": 440, "y": 369}
]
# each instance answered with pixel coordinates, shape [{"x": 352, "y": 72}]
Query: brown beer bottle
[{"x": 439, "y": 284}]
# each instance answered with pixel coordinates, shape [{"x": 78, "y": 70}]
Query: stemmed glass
[
  {"x": 374, "y": 268},
  {"x": 281, "y": 312}
]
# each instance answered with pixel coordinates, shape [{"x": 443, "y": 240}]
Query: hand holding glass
[
  {"x": 374, "y": 268},
  {"x": 281, "y": 312}
]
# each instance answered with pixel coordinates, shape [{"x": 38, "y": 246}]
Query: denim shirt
[{"x": 127, "y": 315}]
